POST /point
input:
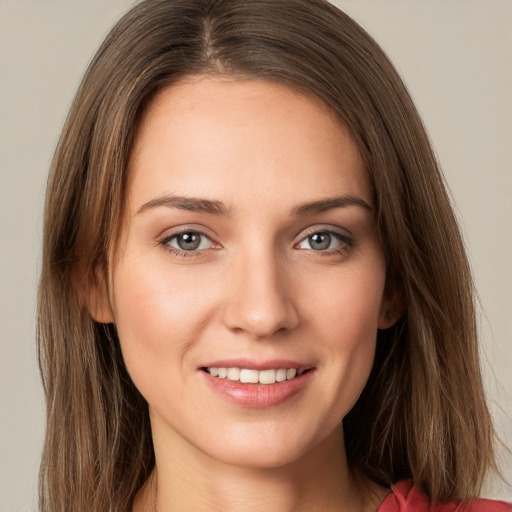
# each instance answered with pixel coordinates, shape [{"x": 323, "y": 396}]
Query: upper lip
[{"x": 253, "y": 364}]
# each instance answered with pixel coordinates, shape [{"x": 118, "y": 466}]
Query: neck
[{"x": 187, "y": 479}]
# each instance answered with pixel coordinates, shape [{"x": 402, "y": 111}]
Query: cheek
[
  {"x": 347, "y": 303},
  {"x": 159, "y": 315},
  {"x": 346, "y": 317}
]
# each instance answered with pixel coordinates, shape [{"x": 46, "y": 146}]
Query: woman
[{"x": 254, "y": 293}]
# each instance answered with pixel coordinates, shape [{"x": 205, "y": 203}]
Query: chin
[
  {"x": 262, "y": 458},
  {"x": 265, "y": 449}
]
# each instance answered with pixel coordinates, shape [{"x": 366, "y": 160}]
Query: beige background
[{"x": 456, "y": 58}]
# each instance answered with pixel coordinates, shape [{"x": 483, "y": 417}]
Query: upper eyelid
[
  {"x": 176, "y": 234},
  {"x": 169, "y": 233},
  {"x": 325, "y": 228}
]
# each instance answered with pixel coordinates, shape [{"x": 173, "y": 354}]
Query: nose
[{"x": 261, "y": 299}]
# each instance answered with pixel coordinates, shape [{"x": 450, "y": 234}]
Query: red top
[{"x": 406, "y": 498}]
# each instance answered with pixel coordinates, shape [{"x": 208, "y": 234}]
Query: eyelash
[
  {"x": 179, "y": 253},
  {"x": 346, "y": 243}
]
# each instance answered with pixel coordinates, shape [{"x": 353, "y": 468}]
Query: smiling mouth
[{"x": 251, "y": 376}]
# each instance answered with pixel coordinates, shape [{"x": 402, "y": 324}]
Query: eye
[
  {"x": 324, "y": 241},
  {"x": 189, "y": 241}
]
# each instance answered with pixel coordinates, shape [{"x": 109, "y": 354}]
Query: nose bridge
[{"x": 260, "y": 300}]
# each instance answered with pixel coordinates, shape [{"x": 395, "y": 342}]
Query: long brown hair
[{"x": 422, "y": 414}]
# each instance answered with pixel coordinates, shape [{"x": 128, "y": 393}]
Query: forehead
[{"x": 227, "y": 137}]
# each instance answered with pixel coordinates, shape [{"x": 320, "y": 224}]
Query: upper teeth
[{"x": 254, "y": 376}]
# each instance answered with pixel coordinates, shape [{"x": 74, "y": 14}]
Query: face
[{"x": 248, "y": 282}]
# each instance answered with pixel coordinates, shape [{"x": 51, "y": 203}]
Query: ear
[
  {"x": 392, "y": 305},
  {"x": 92, "y": 290}
]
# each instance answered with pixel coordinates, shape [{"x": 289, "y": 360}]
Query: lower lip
[{"x": 257, "y": 395}]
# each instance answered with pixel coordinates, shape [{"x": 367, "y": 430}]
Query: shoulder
[{"x": 404, "y": 497}]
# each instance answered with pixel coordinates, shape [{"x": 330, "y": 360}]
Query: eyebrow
[
  {"x": 193, "y": 204},
  {"x": 197, "y": 204},
  {"x": 322, "y": 205}
]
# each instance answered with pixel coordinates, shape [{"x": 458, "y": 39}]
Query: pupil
[
  {"x": 320, "y": 241},
  {"x": 189, "y": 241}
]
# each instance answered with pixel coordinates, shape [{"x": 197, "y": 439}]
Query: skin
[{"x": 257, "y": 287}]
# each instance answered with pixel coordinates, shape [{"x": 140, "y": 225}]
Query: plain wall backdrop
[{"x": 455, "y": 56}]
